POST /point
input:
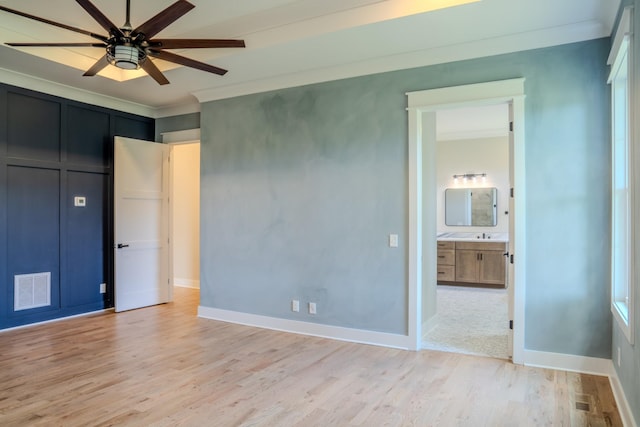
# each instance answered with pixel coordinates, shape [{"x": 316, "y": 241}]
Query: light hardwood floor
[{"x": 163, "y": 366}]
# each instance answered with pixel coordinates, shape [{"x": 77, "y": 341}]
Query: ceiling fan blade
[
  {"x": 100, "y": 18},
  {"x": 194, "y": 43},
  {"x": 102, "y": 62},
  {"x": 172, "y": 57},
  {"x": 163, "y": 19},
  {"x": 103, "y": 45},
  {"x": 154, "y": 72},
  {"x": 55, "y": 24}
]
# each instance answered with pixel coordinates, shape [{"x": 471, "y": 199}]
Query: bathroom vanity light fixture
[{"x": 470, "y": 176}]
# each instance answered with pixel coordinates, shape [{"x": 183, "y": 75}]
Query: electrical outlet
[
  {"x": 619, "y": 357},
  {"x": 393, "y": 240},
  {"x": 312, "y": 308},
  {"x": 103, "y": 288},
  {"x": 295, "y": 305}
]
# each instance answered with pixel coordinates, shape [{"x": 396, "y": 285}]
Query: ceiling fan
[{"x": 131, "y": 48}]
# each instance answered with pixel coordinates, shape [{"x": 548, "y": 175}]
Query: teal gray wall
[
  {"x": 629, "y": 369},
  {"x": 176, "y": 123},
  {"x": 300, "y": 190},
  {"x": 301, "y": 187},
  {"x": 568, "y": 170}
]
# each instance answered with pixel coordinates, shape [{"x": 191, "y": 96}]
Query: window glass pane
[
  {"x": 620, "y": 265},
  {"x": 620, "y": 190}
]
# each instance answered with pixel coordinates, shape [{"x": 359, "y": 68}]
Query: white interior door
[
  {"x": 141, "y": 217},
  {"x": 512, "y": 234}
]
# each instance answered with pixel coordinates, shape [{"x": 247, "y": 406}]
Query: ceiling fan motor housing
[{"x": 126, "y": 56}]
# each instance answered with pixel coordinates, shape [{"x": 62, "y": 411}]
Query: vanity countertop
[{"x": 474, "y": 237}]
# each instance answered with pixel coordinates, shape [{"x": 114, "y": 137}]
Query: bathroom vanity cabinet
[{"x": 470, "y": 262}]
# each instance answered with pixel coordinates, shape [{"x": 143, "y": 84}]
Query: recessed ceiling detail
[{"x": 289, "y": 42}]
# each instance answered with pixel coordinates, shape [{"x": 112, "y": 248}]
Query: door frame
[
  {"x": 422, "y": 235},
  {"x": 172, "y": 138}
]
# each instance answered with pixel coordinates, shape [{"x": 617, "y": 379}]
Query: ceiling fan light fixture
[
  {"x": 125, "y": 57},
  {"x": 128, "y": 48}
]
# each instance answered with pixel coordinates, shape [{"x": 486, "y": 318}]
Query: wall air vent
[{"x": 32, "y": 290}]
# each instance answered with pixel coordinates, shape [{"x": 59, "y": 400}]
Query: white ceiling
[
  {"x": 487, "y": 121},
  {"x": 289, "y": 42}
]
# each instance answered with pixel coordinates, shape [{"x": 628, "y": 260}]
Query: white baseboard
[
  {"x": 58, "y": 319},
  {"x": 568, "y": 362},
  {"x": 307, "y": 328},
  {"x": 621, "y": 399},
  {"x": 186, "y": 283}
]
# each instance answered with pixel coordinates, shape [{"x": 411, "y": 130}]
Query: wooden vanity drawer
[
  {"x": 481, "y": 246},
  {"x": 446, "y": 257},
  {"x": 446, "y": 273},
  {"x": 445, "y": 244}
]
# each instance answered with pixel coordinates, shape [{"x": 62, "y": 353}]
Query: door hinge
[
  {"x": 511, "y": 192},
  {"x": 511, "y": 259},
  {"x": 510, "y": 126},
  {"x": 511, "y": 324}
]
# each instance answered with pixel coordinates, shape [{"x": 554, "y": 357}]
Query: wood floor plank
[{"x": 164, "y": 366}]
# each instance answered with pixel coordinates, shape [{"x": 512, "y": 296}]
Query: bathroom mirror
[{"x": 471, "y": 207}]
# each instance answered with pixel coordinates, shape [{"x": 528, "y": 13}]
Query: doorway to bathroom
[
  {"x": 423, "y": 107},
  {"x": 472, "y": 213}
]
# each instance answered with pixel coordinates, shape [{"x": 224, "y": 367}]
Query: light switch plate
[
  {"x": 80, "y": 201},
  {"x": 393, "y": 240}
]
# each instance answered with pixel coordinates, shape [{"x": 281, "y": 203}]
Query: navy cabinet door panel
[
  {"x": 33, "y": 224},
  {"x": 86, "y": 239},
  {"x": 132, "y": 128},
  {"x": 33, "y": 128},
  {"x": 88, "y": 141}
]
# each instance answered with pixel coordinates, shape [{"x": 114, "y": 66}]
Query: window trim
[{"x": 623, "y": 311}]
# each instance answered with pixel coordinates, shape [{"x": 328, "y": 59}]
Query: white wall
[
  {"x": 186, "y": 214},
  {"x": 484, "y": 155}
]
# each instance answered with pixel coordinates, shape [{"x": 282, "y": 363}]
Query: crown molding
[
  {"x": 177, "y": 110},
  {"x": 75, "y": 94},
  {"x": 476, "y": 49}
]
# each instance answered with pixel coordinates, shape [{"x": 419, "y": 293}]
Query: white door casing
[
  {"x": 512, "y": 233},
  {"x": 141, "y": 223},
  {"x": 427, "y": 102}
]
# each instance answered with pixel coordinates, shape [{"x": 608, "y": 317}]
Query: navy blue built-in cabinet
[{"x": 53, "y": 150}]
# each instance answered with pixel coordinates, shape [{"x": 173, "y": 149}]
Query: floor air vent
[
  {"x": 32, "y": 290},
  {"x": 581, "y": 406}
]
